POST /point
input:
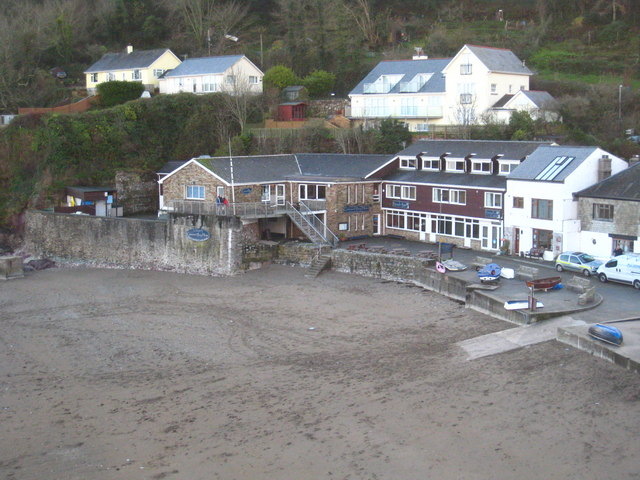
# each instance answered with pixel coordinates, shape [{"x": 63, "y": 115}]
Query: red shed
[{"x": 292, "y": 112}]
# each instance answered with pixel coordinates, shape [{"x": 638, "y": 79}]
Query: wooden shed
[{"x": 292, "y": 112}]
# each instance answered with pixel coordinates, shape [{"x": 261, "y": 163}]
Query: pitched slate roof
[
  {"x": 340, "y": 165},
  {"x": 204, "y": 66},
  {"x": 540, "y": 98},
  {"x": 408, "y": 69},
  {"x": 501, "y": 103},
  {"x": 448, "y": 178},
  {"x": 275, "y": 168},
  {"x": 127, "y": 61},
  {"x": 499, "y": 60},
  {"x": 624, "y": 185},
  {"x": 543, "y": 159},
  {"x": 510, "y": 150},
  {"x": 252, "y": 169}
]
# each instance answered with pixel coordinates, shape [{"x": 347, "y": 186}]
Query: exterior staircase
[
  {"x": 318, "y": 265},
  {"x": 311, "y": 225}
]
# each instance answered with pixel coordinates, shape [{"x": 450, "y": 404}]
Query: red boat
[{"x": 544, "y": 283}]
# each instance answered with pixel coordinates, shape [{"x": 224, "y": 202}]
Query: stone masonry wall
[
  {"x": 146, "y": 244},
  {"x": 137, "y": 193},
  {"x": 626, "y": 217}
]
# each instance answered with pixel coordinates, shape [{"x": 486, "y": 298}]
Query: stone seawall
[{"x": 145, "y": 244}]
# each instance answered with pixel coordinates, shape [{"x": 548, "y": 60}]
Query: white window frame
[
  {"x": 253, "y": 80},
  {"x": 111, "y": 76},
  {"x": 94, "y": 78},
  {"x": 230, "y": 79},
  {"x": 507, "y": 168},
  {"x": 408, "y": 163},
  {"x": 195, "y": 192},
  {"x": 266, "y": 193},
  {"x": 136, "y": 74},
  {"x": 466, "y": 98},
  {"x": 494, "y": 88},
  {"x": 431, "y": 164},
  {"x": 455, "y": 164},
  {"x": 401, "y": 192},
  {"x": 220, "y": 191},
  {"x": 481, "y": 167},
  {"x": 466, "y": 68},
  {"x": 449, "y": 195},
  {"x": 304, "y": 191},
  {"x": 157, "y": 72},
  {"x": 422, "y": 127},
  {"x": 493, "y": 200}
]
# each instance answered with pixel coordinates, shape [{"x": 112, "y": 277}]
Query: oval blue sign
[
  {"x": 246, "y": 191},
  {"x": 198, "y": 235}
]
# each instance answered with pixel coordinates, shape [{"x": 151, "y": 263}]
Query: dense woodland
[{"x": 586, "y": 54}]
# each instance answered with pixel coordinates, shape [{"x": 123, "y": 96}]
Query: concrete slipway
[{"x": 561, "y": 318}]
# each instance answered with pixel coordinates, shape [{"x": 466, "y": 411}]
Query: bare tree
[
  {"x": 239, "y": 96},
  {"x": 364, "y": 17},
  {"x": 465, "y": 113},
  {"x": 208, "y": 22}
]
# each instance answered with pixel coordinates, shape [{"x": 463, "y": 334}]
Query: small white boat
[{"x": 520, "y": 304}]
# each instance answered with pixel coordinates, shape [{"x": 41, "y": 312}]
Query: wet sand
[{"x": 122, "y": 374}]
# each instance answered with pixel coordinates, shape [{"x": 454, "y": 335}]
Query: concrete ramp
[{"x": 513, "y": 338}]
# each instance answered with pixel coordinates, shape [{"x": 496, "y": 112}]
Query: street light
[{"x": 619, "y": 103}]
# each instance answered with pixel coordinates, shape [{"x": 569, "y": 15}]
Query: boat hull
[
  {"x": 543, "y": 283},
  {"x": 606, "y": 333}
]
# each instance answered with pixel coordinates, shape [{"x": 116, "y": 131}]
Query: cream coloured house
[
  {"x": 452, "y": 91},
  {"x": 145, "y": 66},
  {"x": 234, "y": 74}
]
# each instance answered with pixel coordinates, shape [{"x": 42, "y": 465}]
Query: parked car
[
  {"x": 623, "y": 269},
  {"x": 578, "y": 262}
]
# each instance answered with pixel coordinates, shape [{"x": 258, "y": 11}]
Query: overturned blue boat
[
  {"x": 489, "y": 273},
  {"x": 606, "y": 333}
]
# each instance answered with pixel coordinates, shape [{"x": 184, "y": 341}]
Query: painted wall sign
[
  {"x": 356, "y": 208},
  {"x": 198, "y": 235},
  {"x": 400, "y": 204},
  {"x": 246, "y": 191},
  {"x": 493, "y": 213}
]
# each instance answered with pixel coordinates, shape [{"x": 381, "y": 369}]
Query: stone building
[
  {"x": 321, "y": 197},
  {"x": 610, "y": 215}
]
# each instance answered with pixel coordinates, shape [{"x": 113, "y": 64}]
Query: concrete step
[{"x": 318, "y": 265}]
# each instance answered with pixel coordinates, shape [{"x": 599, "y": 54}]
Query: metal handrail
[{"x": 332, "y": 239}]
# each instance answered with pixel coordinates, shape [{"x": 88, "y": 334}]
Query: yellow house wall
[{"x": 167, "y": 61}]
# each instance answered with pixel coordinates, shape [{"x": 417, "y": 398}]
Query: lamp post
[{"x": 619, "y": 103}]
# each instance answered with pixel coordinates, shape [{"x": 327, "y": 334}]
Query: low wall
[
  {"x": 145, "y": 244},
  {"x": 299, "y": 253},
  {"x": 76, "y": 107}
]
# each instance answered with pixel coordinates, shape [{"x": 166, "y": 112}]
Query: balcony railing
[{"x": 239, "y": 209}]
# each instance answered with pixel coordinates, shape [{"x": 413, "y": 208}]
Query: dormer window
[
  {"x": 431, "y": 164},
  {"x": 408, "y": 162},
  {"x": 481, "y": 167},
  {"x": 507, "y": 168},
  {"x": 455, "y": 164},
  {"x": 465, "y": 69}
]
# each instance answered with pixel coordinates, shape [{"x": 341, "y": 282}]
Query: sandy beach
[{"x": 124, "y": 374}]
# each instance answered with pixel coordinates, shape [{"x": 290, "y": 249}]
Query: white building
[
  {"x": 234, "y": 74},
  {"x": 452, "y": 91},
  {"x": 540, "y": 209},
  {"x": 539, "y": 105}
]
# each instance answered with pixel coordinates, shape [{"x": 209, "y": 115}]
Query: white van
[{"x": 623, "y": 269}]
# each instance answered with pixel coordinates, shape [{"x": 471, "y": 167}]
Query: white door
[
  {"x": 490, "y": 238},
  {"x": 280, "y": 194},
  {"x": 375, "y": 219}
]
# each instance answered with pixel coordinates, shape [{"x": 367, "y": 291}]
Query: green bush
[
  {"x": 280, "y": 77},
  {"x": 117, "y": 92},
  {"x": 319, "y": 83}
]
